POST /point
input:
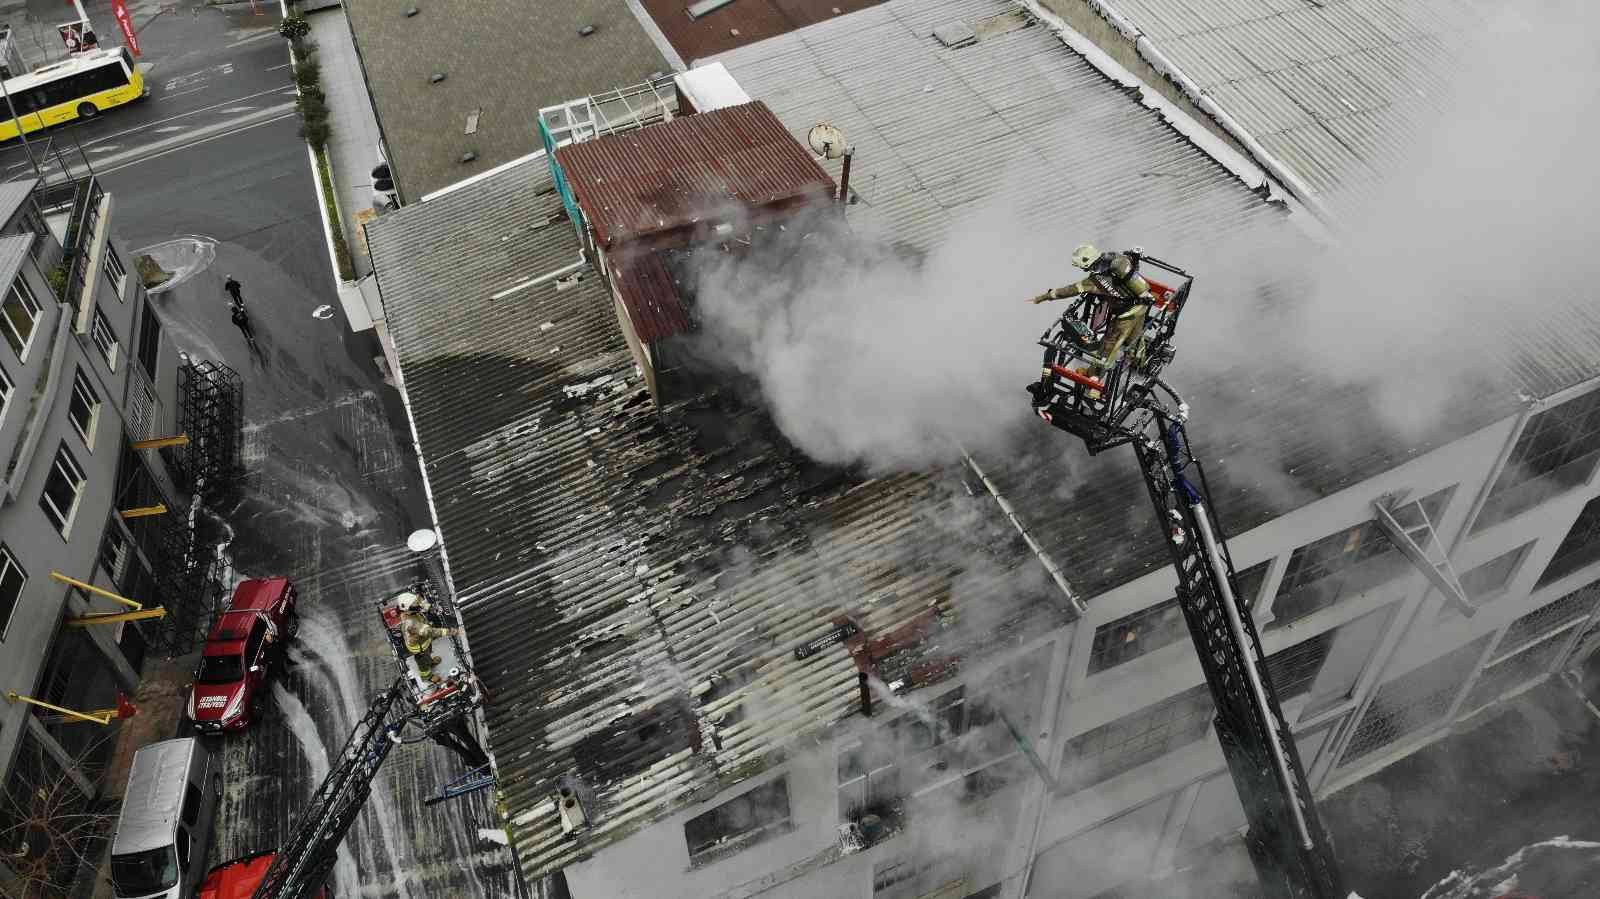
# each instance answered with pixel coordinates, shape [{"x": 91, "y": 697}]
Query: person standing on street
[
  {"x": 232, "y": 287},
  {"x": 242, "y": 319}
]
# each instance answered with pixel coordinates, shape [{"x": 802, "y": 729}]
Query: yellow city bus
[{"x": 76, "y": 88}]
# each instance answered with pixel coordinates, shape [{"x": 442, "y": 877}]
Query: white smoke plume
[{"x": 1482, "y": 231}]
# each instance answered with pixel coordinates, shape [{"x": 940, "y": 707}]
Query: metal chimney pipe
[
  {"x": 861, "y": 678},
  {"x": 844, "y": 184}
]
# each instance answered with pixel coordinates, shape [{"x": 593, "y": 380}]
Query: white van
[{"x": 164, "y": 829}]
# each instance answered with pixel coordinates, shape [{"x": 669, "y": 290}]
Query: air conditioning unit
[{"x": 571, "y": 808}]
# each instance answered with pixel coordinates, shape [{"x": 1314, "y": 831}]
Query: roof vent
[
  {"x": 412, "y": 11},
  {"x": 955, "y": 34},
  {"x": 571, "y": 808},
  {"x": 436, "y": 77},
  {"x": 585, "y": 31}
]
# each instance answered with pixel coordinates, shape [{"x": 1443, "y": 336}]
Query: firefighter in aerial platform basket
[
  {"x": 419, "y": 634},
  {"x": 1114, "y": 279}
]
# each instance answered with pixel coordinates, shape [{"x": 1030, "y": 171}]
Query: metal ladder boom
[{"x": 1285, "y": 838}]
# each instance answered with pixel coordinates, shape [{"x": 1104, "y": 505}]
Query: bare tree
[{"x": 49, "y": 830}]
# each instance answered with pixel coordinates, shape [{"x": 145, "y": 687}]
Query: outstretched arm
[{"x": 1062, "y": 293}]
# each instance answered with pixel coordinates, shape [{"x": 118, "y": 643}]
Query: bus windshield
[{"x": 143, "y": 873}]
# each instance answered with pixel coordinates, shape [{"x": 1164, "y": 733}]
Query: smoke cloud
[{"x": 1481, "y": 232}]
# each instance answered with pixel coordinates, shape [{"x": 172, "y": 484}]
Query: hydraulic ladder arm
[{"x": 1285, "y": 838}]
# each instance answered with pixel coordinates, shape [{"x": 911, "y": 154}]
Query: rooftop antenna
[{"x": 828, "y": 142}]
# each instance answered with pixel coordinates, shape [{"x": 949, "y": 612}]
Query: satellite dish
[
  {"x": 826, "y": 141},
  {"x": 422, "y": 541}
]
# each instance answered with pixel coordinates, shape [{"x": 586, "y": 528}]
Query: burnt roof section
[
  {"x": 742, "y": 22},
  {"x": 727, "y": 162},
  {"x": 503, "y": 57},
  {"x": 634, "y": 584}
]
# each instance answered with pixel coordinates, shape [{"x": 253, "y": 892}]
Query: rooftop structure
[
  {"x": 697, "y": 35},
  {"x": 500, "y": 62},
  {"x": 666, "y": 599}
]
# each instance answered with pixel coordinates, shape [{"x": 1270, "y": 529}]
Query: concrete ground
[{"x": 210, "y": 167}]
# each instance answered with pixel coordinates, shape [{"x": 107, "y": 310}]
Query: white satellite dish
[
  {"x": 422, "y": 541},
  {"x": 826, "y": 141}
]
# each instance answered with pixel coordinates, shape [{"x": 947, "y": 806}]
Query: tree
[{"x": 49, "y": 830}]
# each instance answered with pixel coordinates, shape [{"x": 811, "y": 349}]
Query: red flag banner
[{"x": 119, "y": 8}]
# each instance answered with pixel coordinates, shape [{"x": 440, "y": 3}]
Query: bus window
[{"x": 127, "y": 61}]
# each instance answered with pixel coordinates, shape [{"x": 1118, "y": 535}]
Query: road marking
[
  {"x": 267, "y": 32},
  {"x": 173, "y": 118},
  {"x": 108, "y": 169},
  {"x": 276, "y": 68},
  {"x": 192, "y": 90},
  {"x": 105, "y": 149},
  {"x": 170, "y": 128},
  {"x": 237, "y": 109}
]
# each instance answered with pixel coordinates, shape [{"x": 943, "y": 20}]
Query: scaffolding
[{"x": 211, "y": 412}]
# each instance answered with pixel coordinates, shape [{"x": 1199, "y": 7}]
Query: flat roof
[{"x": 502, "y": 61}]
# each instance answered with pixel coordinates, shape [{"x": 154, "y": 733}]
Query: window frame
[
  {"x": 115, "y": 271},
  {"x": 1518, "y": 557},
  {"x": 1565, "y": 429},
  {"x": 105, "y": 338},
  {"x": 8, "y": 565},
  {"x": 47, "y": 503},
  {"x": 20, "y": 344},
  {"x": 1132, "y": 728},
  {"x": 7, "y": 388},
  {"x": 86, "y": 429},
  {"x": 149, "y": 341},
  {"x": 733, "y": 842}
]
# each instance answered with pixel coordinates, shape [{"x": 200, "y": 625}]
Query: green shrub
[
  {"x": 58, "y": 280},
  {"x": 308, "y": 73},
  {"x": 315, "y": 132},
  {"x": 294, "y": 27}
]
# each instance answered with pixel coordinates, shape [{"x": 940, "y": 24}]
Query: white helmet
[
  {"x": 1085, "y": 255},
  {"x": 409, "y": 602}
]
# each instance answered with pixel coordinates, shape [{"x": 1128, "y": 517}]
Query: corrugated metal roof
[
  {"x": 667, "y": 176},
  {"x": 1293, "y": 73},
  {"x": 13, "y": 194},
  {"x": 652, "y": 301},
  {"x": 737, "y": 24},
  {"x": 608, "y": 557},
  {"x": 13, "y": 249}
]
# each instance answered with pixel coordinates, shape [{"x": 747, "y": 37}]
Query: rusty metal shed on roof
[{"x": 665, "y": 181}]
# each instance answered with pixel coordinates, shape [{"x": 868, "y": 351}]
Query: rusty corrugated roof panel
[
  {"x": 682, "y": 172},
  {"x": 651, "y": 299},
  {"x": 740, "y": 23}
]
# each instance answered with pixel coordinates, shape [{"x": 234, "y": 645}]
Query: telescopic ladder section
[
  {"x": 302, "y": 865},
  {"x": 1285, "y": 838}
]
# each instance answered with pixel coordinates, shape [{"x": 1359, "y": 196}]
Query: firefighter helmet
[
  {"x": 1084, "y": 256},
  {"x": 409, "y": 602}
]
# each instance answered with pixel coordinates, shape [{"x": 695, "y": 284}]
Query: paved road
[
  {"x": 210, "y": 175},
  {"x": 210, "y": 72}
]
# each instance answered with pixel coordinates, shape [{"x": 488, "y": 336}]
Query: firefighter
[
  {"x": 419, "y": 634},
  {"x": 1115, "y": 278}
]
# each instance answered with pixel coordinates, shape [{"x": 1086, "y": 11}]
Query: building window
[
  {"x": 1515, "y": 670},
  {"x": 1132, "y": 636},
  {"x": 1413, "y": 702},
  {"x": 20, "y": 314},
  {"x": 62, "y": 490},
  {"x": 1581, "y": 546},
  {"x": 1341, "y": 565},
  {"x": 149, "y": 341},
  {"x": 6, "y": 389},
  {"x": 115, "y": 273},
  {"x": 1548, "y": 619},
  {"x": 84, "y": 408},
  {"x": 1488, "y": 581},
  {"x": 114, "y": 552},
  {"x": 1294, "y": 669},
  {"x": 739, "y": 823},
  {"x": 105, "y": 339},
  {"x": 1148, "y": 630},
  {"x": 1132, "y": 740},
  {"x": 12, "y": 580},
  {"x": 1556, "y": 452}
]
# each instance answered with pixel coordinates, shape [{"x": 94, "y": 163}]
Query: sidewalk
[{"x": 353, "y": 146}]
